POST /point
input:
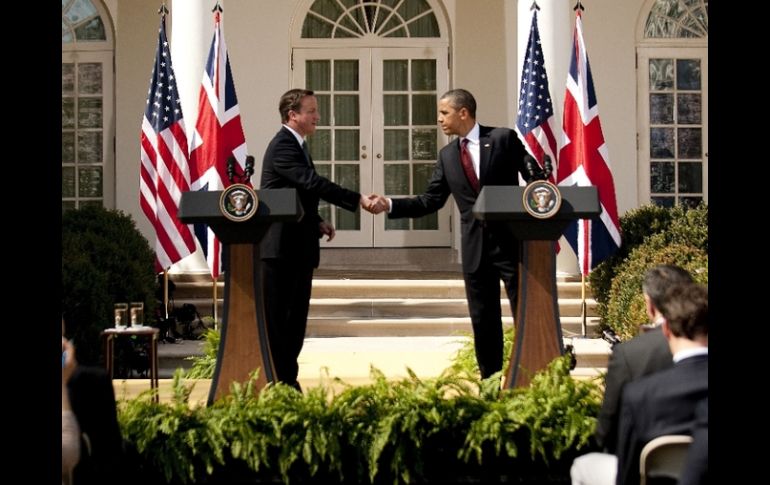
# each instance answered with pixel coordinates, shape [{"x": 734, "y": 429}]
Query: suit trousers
[
  {"x": 482, "y": 289},
  {"x": 287, "y": 301}
]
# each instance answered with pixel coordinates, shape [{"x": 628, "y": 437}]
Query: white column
[
  {"x": 191, "y": 28},
  {"x": 555, "y": 23}
]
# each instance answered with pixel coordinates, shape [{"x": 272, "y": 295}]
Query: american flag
[
  {"x": 164, "y": 170},
  {"x": 583, "y": 161},
  {"x": 218, "y": 134},
  {"x": 535, "y": 119}
]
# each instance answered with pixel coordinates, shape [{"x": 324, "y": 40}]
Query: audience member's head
[
  {"x": 656, "y": 281},
  {"x": 685, "y": 308}
]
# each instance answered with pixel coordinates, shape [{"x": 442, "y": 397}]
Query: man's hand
[
  {"x": 326, "y": 229},
  {"x": 374, "y": 203}
]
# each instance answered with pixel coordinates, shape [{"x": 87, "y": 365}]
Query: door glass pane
[
  {"x": 662, "y": 177},
  {"x": 90, "y": 78},
  {"x": 690, "y": 201},
  {"x": 68, "y": 79},
  {"x": 421, "y": 173},
  {"x": 688, "y": 109},
  {"x": 424, "y": 109},
  {"x": 661, "y": 108},
  {"x": 346, "y": 145},
  {"x": 396, "y": 179},
  {"x": 320, "y": 145},
  {"x": 689, "y": 142},
  {"x": 424, "y": 144},
  {"x": 663, "y": 201},
  {"x": 68, "y": 147},
  {"x": 67, "y": 113},
  {"x": 346, "y": 75},
  {"x": 661, "y": 143},
  {"x": 89, "y": 113},
  {"x": 68, "y": 181},
  {"x": 324, "y": 109},
  {"x": 346, "y": 110},
  {"x": 318, "y": 75},
  {"x": 690, "y": 177},
  {"x": 661, "y": 74},
  {"x": 90, "y": 147},
  {"x": 396, "y": 144},
  {"x": 324, "y": 208},
  {"x": 348, "y": 176},
  {"x": 424, "y": 75},
  {"x": 394, "y": 75},
  {"x": 90, "y": 181},
  {"x": 396, "y": 108},
  {"x": 688, "y": 74}
]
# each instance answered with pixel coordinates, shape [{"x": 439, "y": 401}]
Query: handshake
[{"x": 374, "y": 203}]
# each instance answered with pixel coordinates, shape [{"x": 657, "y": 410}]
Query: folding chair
[{"x": 663, "y": 456}]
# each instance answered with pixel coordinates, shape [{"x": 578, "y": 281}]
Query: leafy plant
[
  {"x": 204, "y": 365},
  {"x": 105, "y": 259},
  {"x": 625, "y": 310}
]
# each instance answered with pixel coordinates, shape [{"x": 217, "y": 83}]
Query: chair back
[{"x": 663, "y": 456}]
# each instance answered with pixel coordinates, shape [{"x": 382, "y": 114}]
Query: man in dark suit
[
  {"x": 291, "y": 251},
  {"x": 644, "y": 354},
  {"x": 665, "y": 402},
  {"x": 480, "y": 156}
]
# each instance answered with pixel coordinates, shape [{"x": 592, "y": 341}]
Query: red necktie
[{"x": 465, "y": 159}]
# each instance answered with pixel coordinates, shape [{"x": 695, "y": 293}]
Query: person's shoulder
[
  {"x": 496, "y": 131},
  {"x": 644, "y": 341}
]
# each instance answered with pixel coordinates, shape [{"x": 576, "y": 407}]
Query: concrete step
[
  {"x": 419, "y": 307},
  {"x": 446, "y": 326}
]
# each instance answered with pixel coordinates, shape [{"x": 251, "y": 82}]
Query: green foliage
[
  {"x": 465, "y": 358},
  {"x": 626, "y": 309},
  {"x": 399, "y": 432},
  {"x": 204, "y": 365},
  {"x": 105, "y": 260}
]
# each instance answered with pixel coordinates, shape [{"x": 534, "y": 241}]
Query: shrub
[
  {"x": 105, "y": 259},
  {"x": 625, "y": 310}
]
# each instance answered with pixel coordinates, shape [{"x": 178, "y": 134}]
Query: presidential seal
[
  {"x": 238, "y": 202},
  {"x": 542, "y": 199}
]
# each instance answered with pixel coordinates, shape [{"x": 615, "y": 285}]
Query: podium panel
[
  {"x": 538, "y": 336},
  {"x": 244, "y": 345}
]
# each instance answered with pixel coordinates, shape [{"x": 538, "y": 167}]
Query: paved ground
[{"x": 348, "y": 358}]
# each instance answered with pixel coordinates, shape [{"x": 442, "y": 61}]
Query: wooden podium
[
  {"x": 538, "y": 337},
  {"x": 243, "y": 345}
]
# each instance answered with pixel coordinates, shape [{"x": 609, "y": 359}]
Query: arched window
[
  {"x": 335, "y": 19},
  {"x": 673, "y": 85},
  {"x": 87, "y": 105}
]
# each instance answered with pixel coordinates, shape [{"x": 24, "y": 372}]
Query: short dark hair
[
  {"x": 459, "y": 99},
  {"x": 659, "y": 278},
  {"x": 291, "y": 101},
  {"x": 686, "y": 309}
]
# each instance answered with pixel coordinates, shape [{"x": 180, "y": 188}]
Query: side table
[{"x": 109, "y": 336}]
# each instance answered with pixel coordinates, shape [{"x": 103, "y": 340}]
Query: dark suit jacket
[
  {"x": 501, "y": 158},
  {"x": 696, "y": 465},
  {"x": 642, "y": 355},
  {"x": 285, "y": 166},
  {"x": 656, "y": 405}
]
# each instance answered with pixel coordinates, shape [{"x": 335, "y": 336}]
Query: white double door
[{"x": 377, "y": 134}]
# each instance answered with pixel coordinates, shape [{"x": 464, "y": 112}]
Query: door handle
[{"x": 363, "y": 155}]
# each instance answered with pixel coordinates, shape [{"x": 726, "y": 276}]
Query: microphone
[
  {"x": 533, "y": 169},
  {"x": 231, "y": 168},
  {"x": 548, "y": 167},
  {"x": 249, "y": 166}
]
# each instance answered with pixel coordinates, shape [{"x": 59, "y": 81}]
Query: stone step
[
  {"x": 439, "y": 326},
  {"x": 196, "y": 288},
  {"x": 418, "y": 307}
]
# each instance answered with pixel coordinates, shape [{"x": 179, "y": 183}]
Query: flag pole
[
  {"x": 583, "y": 311},
  {"x": 214, "y": 292},
  {"x": 165, "y": 294}
]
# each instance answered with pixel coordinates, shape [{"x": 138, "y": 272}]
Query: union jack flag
[
  {"x": 535, "y": 119},
  {"x": 218, "y": 135},
  {"x": 583, "y": 161},
  {"x": 164, "y": 171}
]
